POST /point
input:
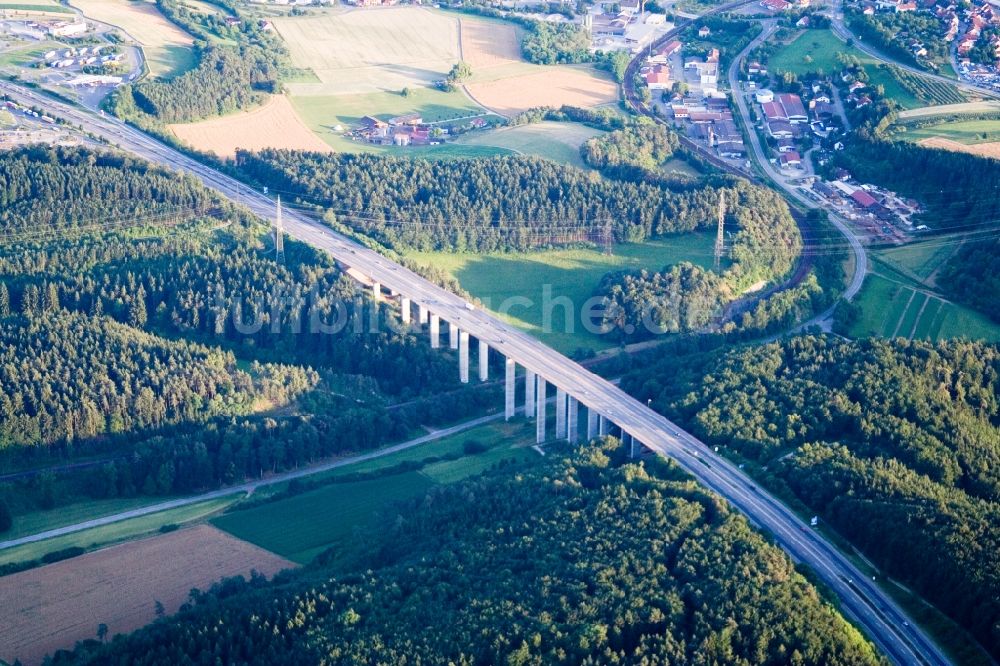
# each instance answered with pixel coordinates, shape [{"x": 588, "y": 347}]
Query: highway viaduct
[{"x": 882, "y": 619}]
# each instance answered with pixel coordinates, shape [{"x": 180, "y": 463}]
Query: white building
[
  {"x": 74, "y": 29},
  {"x": 764, "y": 96}
]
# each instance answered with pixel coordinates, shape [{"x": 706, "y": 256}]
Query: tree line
[
  {"x": 44, "y": 188},
  {"x": 582, "y": 559},
  {"x": 226, "y": 78},
  {"x": 510, "y": 203},
  {"x": 894, "y": 443}
]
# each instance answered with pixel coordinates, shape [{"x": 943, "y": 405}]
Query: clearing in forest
[
  {"x": 556, "y": 141},
  {"x": 273, "y": 125},
  {"x": 167, "y": 47},
  {"x": 54, "y": 606}
]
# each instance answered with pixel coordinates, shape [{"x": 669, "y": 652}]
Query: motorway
[{"x": 882, "y": 620}]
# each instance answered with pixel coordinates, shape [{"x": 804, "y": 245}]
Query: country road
[
  {"x": 879, "y": 616},
  {"x": 250, "y": 486},
  {"x": 841, "y": 30},
  {"x": 760, "y": 154}
]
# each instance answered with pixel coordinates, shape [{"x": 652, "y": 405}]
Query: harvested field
[
  {"x": 549, "y": 86},
  {"x": 365, "y": 50},
  {"x": 273, "y": 125},
  {"x": 52, "y": 607},
  {"x": 167, "y": 48},
  {"x": 991, "y": 149},
  {"x": 489, "y": 44}
]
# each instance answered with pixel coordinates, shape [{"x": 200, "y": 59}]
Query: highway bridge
[{"x": 545, "y": 372}]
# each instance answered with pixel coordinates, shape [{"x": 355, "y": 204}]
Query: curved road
[
  {"x": 886, "y": 624},
  {"x": 860, "y": 256},
  {"x": 841, "y": 30}
]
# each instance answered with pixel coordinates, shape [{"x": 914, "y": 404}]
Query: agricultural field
[
  {"x": 967, "y": 132},
  {"x": 167, "y": 48},
  {"x": 571, "y": 273},
  {"x": 55, "y": 606},
  {"x": 980, "y": 107},
  {"x": 817, "y": 50},
  {"x": 302, "y": 526},
  {"x": 104, "y": 535},
  {"x": 273, "y": 125},
  {"x": 572, "y": 85},
  {"x": 354, "y": 63},
  {"x": 503, "y": 82},
  {"x": 323, "y": 114},
  {"x": 69, "y": 514},
  {"x": 556, "y": 141},
  {"x": 359, "y": 52},
  {"x": 919, "y": 261},
  {"x": 25, "y": 7},
  {"x": 895, "y": 309},
  {"x": 989, "y": 149}
]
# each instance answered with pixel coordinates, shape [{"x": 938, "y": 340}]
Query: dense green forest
[
  {"x": 228, "y": 77},
  {"x": 550, "y": 43},
  {"x": 644, "y": 145},
  {"x": 972, "y": 275},
  {"x": 225, "y": 80},
  {"x": 581, "y": 560},
  {"x": 678, "y": 299},
  {"x": 894, "y": 443},
  {"x": 66, "y": 376},
  {"x": 893, "y": 32},
  {"x": 183, "y": 353},
  {"x": 960, "y": 195},
  {"x": 517, "y": 203},
  {"x": 43, "y": 188}
]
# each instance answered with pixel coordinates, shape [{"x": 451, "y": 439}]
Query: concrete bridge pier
[
  {"x": 604, "y": 426},
  {"x": 484, "y": 361},
  {"x": 540, "y": 404},
  {"x": 510, "y": 388},
  {"x": 404, "y": 309},
  {"x": 572, "y": 417},
  {"x": 376, "y": 291},
  {"x": 560, "y": 413},
  {"x": 453, "y": 335},
  {"x": 634, "y": 446},
  {"x": 435, "y": 331},
  {"x": 422, "y": 314},
  {"x": 529, "y": 393},
  {"x": 592, "y": 419},
  {"x": 463, "y": 357}
]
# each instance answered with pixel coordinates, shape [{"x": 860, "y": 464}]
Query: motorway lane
[{"x": 635, "y": 418}]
